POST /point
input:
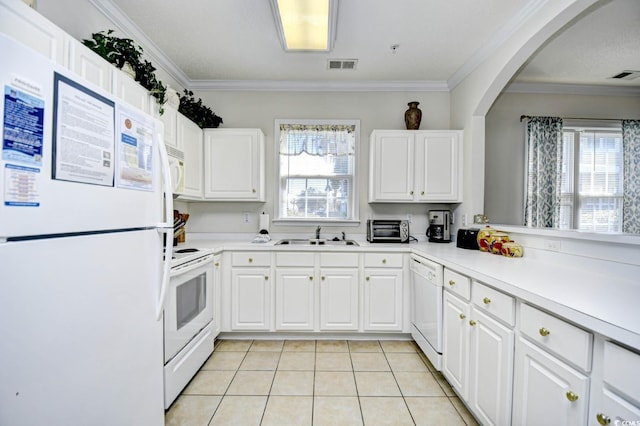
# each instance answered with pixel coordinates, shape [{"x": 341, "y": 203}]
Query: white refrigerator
[{"x": 82, "y": 272}]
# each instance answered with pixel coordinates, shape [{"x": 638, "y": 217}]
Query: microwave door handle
[{"x": 165, "y": 228}]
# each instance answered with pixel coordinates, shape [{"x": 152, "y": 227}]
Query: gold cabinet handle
[
  {"x": 603, "y": 419},
  {"x": 323, "y": 278},
  {"x": 216, "y": 264},
  {"x": 486, "y": 300},
  {"x": 451, "y": 282},
  {"x": 472, "y": 323},
  {"x": 572, "y": 396},
  {"x": 411, "y": 193},
  {"x": 544, "y": 332},
  {"x": 310, "y": 278},
  {"x": 253, "y": 190},
  {"x": 421, "y": 192},
  {"x": 250, "y": 260},
  {"x": 462, "y": 316},
  {"x": 384, "y": 261},
  {"x": 266, "y": 278},
  {"x": 367, "y": 278}
]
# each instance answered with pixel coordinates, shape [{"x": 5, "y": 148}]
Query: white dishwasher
[{"x": 426, "y": 309}]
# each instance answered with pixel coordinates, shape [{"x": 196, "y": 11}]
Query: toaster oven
[{"x": 387, "y": 231}]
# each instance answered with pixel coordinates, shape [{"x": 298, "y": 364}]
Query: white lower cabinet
[
  {"x": 383, "y": 292},
  {"x": 295, "y": 301},
  {"x": 455, "y": 342},
  {"x": 546, "y": 390},
  {"x": 339, "y": 299},
  {"x": 251, "y": 291},
  {"x": 478, "y": 348}
]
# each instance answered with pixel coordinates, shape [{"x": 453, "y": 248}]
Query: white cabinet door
[
  {"x": 455, "y": 343},
  {"x": 295, "y": 298},
  {"x": 130, "y": 91},
  {"x": 234, "y": 165},
  {"x": 190, "y": 139},
  {"x": 170, "y": 120},
  {"x": 437, "y": 166},
  {"x": 546, "y": 390},
  {"x": 490, "y": 369},
  {"x": 383, "y": 299},
  {"x": 217, "y": 294},
  {"x": 30, "y": 28},
  {"x": 250, "y": 299},
  {"x": 84, "y": 62},
  {"x": 339, "y": 299},
  {"x": 391, "y": 169}
]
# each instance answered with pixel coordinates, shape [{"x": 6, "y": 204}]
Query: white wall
[
  {"x": 505, "y": 146},
  {"x": 375, "y": 110}
]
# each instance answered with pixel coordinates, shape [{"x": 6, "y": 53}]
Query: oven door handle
[
  {"x": 165, "y": 229},
  {"x": 190, "y": 266}
]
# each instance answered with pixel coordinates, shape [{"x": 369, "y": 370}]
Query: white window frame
[
  {"x": 574, "y": 172},
  {"x": 354, "y": 220}
]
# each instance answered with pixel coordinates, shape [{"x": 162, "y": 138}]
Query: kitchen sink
[{"x": 316, "y": 242}]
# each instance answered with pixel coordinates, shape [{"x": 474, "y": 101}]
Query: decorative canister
[
  {"x": 485, "y": 238},
  {"x": 511, "y": 249},
  {"x": 497, "y": 240},
  {"x": 413, "y": 116}
]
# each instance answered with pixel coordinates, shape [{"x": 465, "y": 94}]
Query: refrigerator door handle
[{"x": 165, "y": 228}]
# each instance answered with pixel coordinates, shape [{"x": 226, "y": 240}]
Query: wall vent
[
  {"x": 627, "y": 75},
  {"x": 343, "y": 64}
]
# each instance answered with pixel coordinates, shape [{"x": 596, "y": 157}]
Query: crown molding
[
  {"x": 572, "y": 89},
  {"x": 497, "y": 40},
  {"x": 320, "y": 86},
  {"x": 113, "y": 13}
]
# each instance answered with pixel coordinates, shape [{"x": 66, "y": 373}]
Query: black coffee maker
[{"x": 439, "y": 231}]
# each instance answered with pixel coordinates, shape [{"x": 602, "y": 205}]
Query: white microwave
[{"x": 176, "y": 166}]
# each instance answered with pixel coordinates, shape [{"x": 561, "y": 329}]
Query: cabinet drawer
[
  {"x": 383, "y": 260},
  {"x": 618, "y": 363},
  {"x": 498, "y": 304},
  {"x": 457, "y": 283},
  {"x": 339, "y": 259},
  {"x": 250, "y": 258},
  {"x": 294, "y": 259},
  {"x": 558, "y": 336}
]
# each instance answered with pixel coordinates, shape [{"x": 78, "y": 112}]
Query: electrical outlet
[
  {"x": 410, "y": 218},
  {"x": 553, "y": 245},
  {"x": 464, "y": 220},
  {"x": 245, "y": 217}
]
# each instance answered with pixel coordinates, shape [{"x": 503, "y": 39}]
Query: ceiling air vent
[
  {"x": 343, "y": 64},
  {"x": 627, "y": 75}
]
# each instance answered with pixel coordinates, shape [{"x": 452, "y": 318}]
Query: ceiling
[{"x": 234, "y": 42}]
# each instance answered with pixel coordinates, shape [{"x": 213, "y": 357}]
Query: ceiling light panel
[{"x": 305, "y": 25}]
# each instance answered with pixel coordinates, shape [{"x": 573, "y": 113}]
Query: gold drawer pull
[
  {"x": 384, "y": 261},
  {"x": 451, "y": 282},
  {"x": 367, "y": 278},
  {"x": 217, "y": 264},
  {"x": 544, "y": 332},
  {"x": 253, "y": 190},
  {"x": 411, "y": 193},
  {"x": 266, "y": 278},
  {"x": 603, "y": 419},
  {"x": 323, "y": 278},
  {"x": 310, "y": 278},
  {"x": 250, "y": 260},
  {"x": 462, "y": 316},
  {"x": 421, "y": 192},
  {"x": 486, "y": 300},
  {"x": 572, "y": 396},
  {"x": 472, "y": 323}
]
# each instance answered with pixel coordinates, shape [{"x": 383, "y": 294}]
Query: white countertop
[{"x": 599, "y": 295}]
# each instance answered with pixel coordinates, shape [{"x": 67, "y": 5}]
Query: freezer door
[
  {"x": 105, "y": 171},
  {"x": 80, "y": 341}
]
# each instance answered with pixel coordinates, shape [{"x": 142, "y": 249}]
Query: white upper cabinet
[
  {"x": 234, "y": 163},
  {"x": 170, "y": 120},
  {"x": 30, "y": 28},
  {"x": 190, "y": 139},
  {"x": 130, "y": 91},
  {"x": 408, "y": 166},
  {"x": 90, "y": 66}
]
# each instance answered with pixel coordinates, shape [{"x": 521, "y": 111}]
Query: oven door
[{"x": 189, "y": 306}]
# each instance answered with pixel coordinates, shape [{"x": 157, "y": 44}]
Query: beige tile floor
[{"x": 323, "y": 382}]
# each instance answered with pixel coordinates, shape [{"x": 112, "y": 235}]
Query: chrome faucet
[{"x": 318, "y": 233}]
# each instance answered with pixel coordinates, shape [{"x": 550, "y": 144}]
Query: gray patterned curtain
[
  {"x": 631, "y": 160},
  {"x": 544, "y": 168}
]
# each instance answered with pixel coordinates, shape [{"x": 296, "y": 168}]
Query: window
[
  {"x": 592, "y": 176},
  {"x": 317, "y": 169}
]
